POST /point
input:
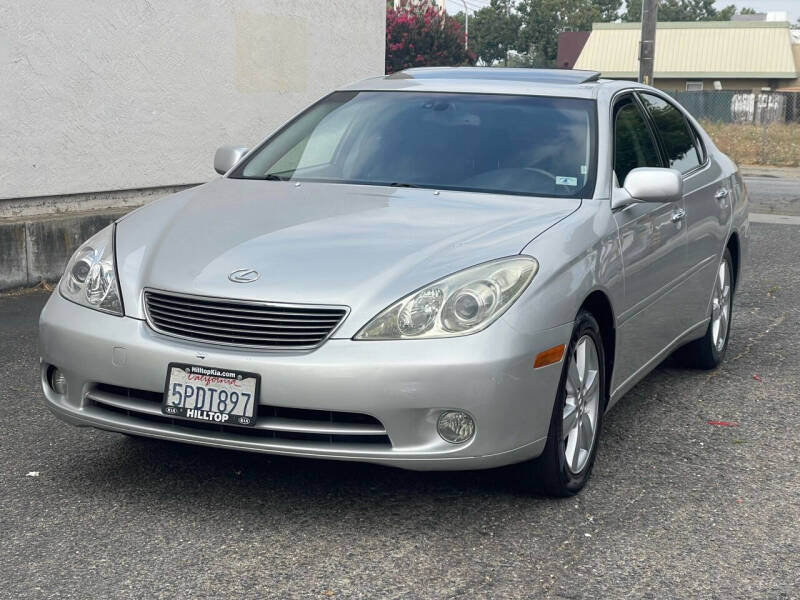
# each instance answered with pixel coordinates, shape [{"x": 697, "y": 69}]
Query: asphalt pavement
[
  {"x": 695, "y": 494},
  {"x": 774, "y": 195}
]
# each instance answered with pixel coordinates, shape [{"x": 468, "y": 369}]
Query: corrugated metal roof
[{"x": 720, "y": 49}]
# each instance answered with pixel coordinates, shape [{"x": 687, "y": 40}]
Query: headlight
[
  {"x": 459, "y": 304},
  {"x": 90, "y": 278}
]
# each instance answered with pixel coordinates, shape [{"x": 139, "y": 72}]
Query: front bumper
[{"x": 405, "y": 385}]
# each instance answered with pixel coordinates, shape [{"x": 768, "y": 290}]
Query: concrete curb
[
  {"x": 36, "y": 250},
  {"x": 765, "y": 171},
  {"x": 38, "y": 235},
  {"x": 53, "y": 206}
]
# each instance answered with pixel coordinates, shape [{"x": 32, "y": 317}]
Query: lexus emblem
[{"x": 244, "y": 276}]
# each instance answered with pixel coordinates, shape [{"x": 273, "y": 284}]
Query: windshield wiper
[
  {"x": 273, "y": 177},
  {"x": 403, "y": 184}
]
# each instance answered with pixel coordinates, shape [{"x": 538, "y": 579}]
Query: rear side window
[
  {"x": 634, "y": 145},
  {"x": 675, "y": 134}
]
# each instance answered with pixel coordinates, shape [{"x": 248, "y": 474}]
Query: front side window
[
  {"x": 674, "y": 132},
  {"x": 634, "y": 145},
  {"x": 527, "y": 145}
]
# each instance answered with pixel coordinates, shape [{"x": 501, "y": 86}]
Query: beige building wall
[
  {"x": 751, "y": 85},
  {"x": 127, "y": 94}
]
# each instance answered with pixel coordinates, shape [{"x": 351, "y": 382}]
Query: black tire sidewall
[{"x": 585, "y": 325}]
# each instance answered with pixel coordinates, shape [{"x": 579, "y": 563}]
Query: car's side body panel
[
  {"x": 577, "y": 256},
  {"x": 653, "y": 249}
]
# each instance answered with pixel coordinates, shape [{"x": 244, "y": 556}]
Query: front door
[{"x": 654, "y": 256}]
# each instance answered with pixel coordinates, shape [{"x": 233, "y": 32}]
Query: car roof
[
  {"x": 500, "y": 74},
  {"x": 491, "y": 80}
]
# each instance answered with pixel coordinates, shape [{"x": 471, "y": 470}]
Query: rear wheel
[
  {"x": 567, "y": 460},
  {"x": 709, "y": 350}
]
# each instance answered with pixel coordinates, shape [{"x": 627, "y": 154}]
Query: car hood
[{"x": 314, "y": 243}]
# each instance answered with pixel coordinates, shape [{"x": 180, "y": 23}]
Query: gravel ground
[{"x": 676, "y": 507}]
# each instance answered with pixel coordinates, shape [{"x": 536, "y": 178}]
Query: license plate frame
[{"x": 227, "y": 378}]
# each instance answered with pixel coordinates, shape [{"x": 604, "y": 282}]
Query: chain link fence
[{"x": 752, "y": 128}]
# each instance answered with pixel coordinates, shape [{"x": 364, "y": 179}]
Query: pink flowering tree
[{"x": 419, "y": 34}]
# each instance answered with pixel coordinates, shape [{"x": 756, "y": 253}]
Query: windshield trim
[{"x": 587, "y": 191}]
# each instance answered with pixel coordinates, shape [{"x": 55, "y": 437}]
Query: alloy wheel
[
  {"x": 582, "y": 403},
  {"x": 721, "y": 306}
]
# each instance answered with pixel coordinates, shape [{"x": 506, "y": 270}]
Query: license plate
[{"x": 211, "y": 395}]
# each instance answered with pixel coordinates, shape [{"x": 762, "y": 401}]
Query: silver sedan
[{"x": 450, "y": 268}]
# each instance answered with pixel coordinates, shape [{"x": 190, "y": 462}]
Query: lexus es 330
[{"x": 438, "y": 269}]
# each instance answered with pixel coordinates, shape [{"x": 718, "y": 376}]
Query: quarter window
[
  {"x": 634, "y": 145},
  {"x": 674, "y": 132}
]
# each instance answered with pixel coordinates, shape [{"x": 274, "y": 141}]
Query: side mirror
[
  {"x": 649, "y": 184},
  {"x": 227, "y": 156}
]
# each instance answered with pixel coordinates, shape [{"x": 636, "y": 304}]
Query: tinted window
[
  {"x": 634, "y": 146},
  {"x": 698, "y": 143},
  {"x": 674, "y": 132},
  {"x": 496, "y": 143}
]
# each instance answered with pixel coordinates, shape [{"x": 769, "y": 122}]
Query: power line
[{"x": 455, "y": 6}]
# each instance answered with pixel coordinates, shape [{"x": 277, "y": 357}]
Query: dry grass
[{"x": 748, "y": 145}]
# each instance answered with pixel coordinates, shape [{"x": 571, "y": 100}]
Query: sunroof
[{"x": 500, "y": 74}]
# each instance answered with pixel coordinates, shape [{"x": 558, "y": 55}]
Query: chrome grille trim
[
  {"x": 241, "y": 323},
  {"x": 325, "y": 429}
]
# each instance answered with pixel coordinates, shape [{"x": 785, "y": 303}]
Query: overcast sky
[{"x": 790, "y": 6}]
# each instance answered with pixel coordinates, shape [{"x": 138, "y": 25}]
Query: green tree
[
  {"x": 681, "y": 10},
  {"x": 493, "y": 31},
  {"x": 543, "y": 20}
]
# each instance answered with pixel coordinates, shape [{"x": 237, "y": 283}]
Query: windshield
[{"x": 540, "y": 146}]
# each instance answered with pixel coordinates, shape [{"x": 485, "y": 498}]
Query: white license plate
[{"x": 211, "y": 395}]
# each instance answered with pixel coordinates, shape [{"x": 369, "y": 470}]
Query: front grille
[
  {"x": 322, "y": 429},
  {"x": 241, "y": 323}
]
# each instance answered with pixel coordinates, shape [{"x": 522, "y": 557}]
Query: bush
[{"x": 421, "y": 35}]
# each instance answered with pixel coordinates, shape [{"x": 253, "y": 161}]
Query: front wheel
[{"x": 568, "y": 457}]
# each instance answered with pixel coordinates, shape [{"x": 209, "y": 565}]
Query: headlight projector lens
[
  {"x": 90, "y": 278},
  {"x": 459, "y": 304}
]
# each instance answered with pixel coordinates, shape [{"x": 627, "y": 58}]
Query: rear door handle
[{"x": 678, "y": 214}]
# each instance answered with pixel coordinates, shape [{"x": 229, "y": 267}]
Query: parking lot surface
[{"x": 696, "y": 493}]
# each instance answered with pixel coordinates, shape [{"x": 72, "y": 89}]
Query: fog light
[
  {"x": 455, "y": 426},
  {"x": 58, "y": 382}
]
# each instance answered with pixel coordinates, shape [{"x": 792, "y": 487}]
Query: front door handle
[
  {"x": 678, "y": 215},
  {"x": 721, "y": 194}
]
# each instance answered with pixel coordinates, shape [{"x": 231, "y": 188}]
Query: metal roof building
[{"x": 695, "y": 55}]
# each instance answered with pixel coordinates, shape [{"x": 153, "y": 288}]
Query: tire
[
  {"x": 709, "y": 351},
  {"x": 560, "y": 471}
]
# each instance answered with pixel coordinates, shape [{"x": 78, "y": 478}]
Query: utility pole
[
  {"x": 466, "y": 25},
  {"x": 647, "y": 45},
  {"x": 508, "y": 16}
]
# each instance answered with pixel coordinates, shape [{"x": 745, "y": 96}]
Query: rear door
[
  {"x": 653, "y": 241},
  {"x": 706, "y": 200}
]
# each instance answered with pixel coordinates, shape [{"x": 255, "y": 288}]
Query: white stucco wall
[{"x": 122, "y": 94}]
